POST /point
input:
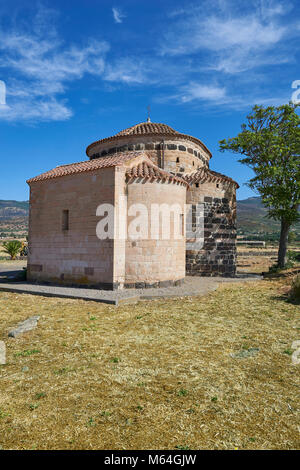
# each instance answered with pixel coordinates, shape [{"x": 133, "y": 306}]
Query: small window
[
  {"x": 194, "y": 219},
  {"x": 197, "y": 185},
  {"x": 177, "y": 160},
  {"x": 65, "y": 220},
  {"x": 193, "y": 163},
  {"x": 182, "y": 224},
  {"x": 217, "y": 185}
]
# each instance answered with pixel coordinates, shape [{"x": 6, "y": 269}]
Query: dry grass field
[
  {"x": 255, "y": 262},
  {"x": 211, "y": 372}
]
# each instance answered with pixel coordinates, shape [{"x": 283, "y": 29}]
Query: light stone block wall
[
  {"x": 151, "y": 262},
  {"x": 191, "y": 156},
  {"x": 75, "y": 255},
  {"x": 120, "y": 227}
]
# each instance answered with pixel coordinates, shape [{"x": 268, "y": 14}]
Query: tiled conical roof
[
  {"x": 147, "y": 129},
  {"x": 206, "y": 175},
  {"x": 147, "y": 170}
]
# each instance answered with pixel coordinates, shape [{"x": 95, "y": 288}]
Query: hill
[
  {"x": 11, "y": 209},
  {"x": 14, "y": 218},
  {"x": 251, "y": 218}
]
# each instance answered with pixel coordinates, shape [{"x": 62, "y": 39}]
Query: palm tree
[{"x": 12, "y": 248}]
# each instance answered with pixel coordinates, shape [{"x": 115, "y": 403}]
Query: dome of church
[
  {"x": 148, "y": 128},
  {"x": 143, "y": 129}
]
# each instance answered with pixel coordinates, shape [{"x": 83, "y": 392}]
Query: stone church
[{"x": 149, "y": 163}]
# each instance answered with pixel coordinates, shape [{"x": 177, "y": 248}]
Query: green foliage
[
  {"x": 115, "y": 360},
  {"x": 33, "y": 406},
  {"x": 182, "y": 392},
  {"x": 292, "y": 237},
  {"x": 12, "y": 248},
  {"x": 295, "y": 290},
  {"x": 27, "y": 352},
  {"x": 275, "y": 268},
  {"x": 293, "y": 256},
  {"x": 270, "y": 145}
]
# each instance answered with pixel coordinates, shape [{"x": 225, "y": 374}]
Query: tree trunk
[{"x": 283, "y": 243}]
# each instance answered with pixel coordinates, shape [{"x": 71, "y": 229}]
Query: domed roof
[{"x": 148, "y": 128}]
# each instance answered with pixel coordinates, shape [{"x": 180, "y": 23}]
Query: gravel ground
[{"x": 191, "y": 286}]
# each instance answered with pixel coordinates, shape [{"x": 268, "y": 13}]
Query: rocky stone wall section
[
  {"x": 174, "y": 155},
  {"x": 218, "y": 254}
]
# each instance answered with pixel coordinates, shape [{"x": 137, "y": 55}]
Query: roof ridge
[
  {"x": 147, "y": 129},
  {"x": 141, "y": 170},
  {"x": 116, "y": 159},
  {"x": 206, "y": 174},
  {"x": 150, "y": 125}
]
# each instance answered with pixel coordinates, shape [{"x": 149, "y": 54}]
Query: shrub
[
  {"x": 293, "y": 255},
  {"x": 295, "y": 288},
  {"x": 12, "y": 248},
  {"x": 276, "y": 269}
]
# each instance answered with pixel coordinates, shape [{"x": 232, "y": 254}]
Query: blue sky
[{"x": 76, "y": 71}]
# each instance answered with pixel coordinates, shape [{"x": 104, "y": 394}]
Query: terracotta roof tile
[
  {"x": 206, "y": 175},
  {"x": 149, "y": 129},
  {"x": 89, "y": 165},
  {"x": 147, "y": 170}
]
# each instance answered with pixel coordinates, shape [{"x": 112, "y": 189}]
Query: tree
[
  {"x": 12, "y": 248},
  {"x": 270, "y": 145},
  {"x": 292, "y": 237}
]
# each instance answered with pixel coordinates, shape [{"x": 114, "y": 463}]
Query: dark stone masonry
[{"x": 218, "y": 255}]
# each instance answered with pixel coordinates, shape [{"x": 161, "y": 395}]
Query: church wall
[
  {"x": 74, "y": 256},
  {"x": 218, "y": 255},
  {"x": 120, "y": 224},
  {"x": 190, "y": 156},
  {"x": 155, "y": 262}
]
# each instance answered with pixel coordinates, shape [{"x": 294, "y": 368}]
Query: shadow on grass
[{"x": 287, "y": 299}]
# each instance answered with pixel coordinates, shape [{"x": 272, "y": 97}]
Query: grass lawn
[{"x": 155, "y": 375}]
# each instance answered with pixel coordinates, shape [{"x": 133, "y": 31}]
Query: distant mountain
[
  {"x": 14, "y": 218},
  {"x": 251, "y": 217},
  {"x": 13, "y": 209}
]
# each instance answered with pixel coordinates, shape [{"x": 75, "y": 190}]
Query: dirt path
[{"x": 192, "y": 285}]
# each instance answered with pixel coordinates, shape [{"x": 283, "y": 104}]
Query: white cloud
[
  {"x": 127, "y": 70},
  {"x": 118, "y": 15},
  {"x": 197, "y": 91},
  {"x": 270, "y": 8},
  {"x": 233, "y": 40},
  {"x": 44, "y": 109},
  {"x": 218, "y": 34},
  {"x": 211, "y": 58},
  {"x": 42, "y": 66},
  {"x": 147, "y": 70}
]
